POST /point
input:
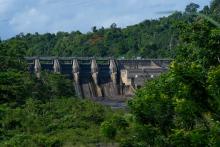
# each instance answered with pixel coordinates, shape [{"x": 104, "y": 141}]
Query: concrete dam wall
[{"x": 96, "y": 78}]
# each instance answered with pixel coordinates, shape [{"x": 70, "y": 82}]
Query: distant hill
[{"x": 150, "y": 38}]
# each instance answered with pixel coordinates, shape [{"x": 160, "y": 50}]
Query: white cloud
[
  {"x": 29, "y": 21},
  {"x": 5, "y": 6}
]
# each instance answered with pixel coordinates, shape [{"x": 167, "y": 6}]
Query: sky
[{"x": 42, "y": 16}]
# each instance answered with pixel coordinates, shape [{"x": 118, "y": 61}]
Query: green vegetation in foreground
[
  {"x": 57, "y": 122},
  {"x": 179, "y": 108}
]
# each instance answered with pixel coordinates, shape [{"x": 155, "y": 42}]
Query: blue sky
[{"x": 43, "y": 16}]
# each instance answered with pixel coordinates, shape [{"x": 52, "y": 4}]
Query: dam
[{"x": 101, "y": 77}]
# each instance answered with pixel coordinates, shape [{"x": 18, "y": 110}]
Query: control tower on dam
[{"x": 101, "y": 77}]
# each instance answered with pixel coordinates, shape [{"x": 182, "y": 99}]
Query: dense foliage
[
  {"x": 179, "y": 108},
  {"x": 58, "y": 122}
]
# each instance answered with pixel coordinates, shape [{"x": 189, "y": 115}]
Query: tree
[
  {"x": 51, "y": 86},
  {"x": 215, "y": 6},
  {"x": 15, "y": 87},
  {"x": 108, "y": 130},
  {"x": 206, "y": 10},
  {"x": 94, "y": 29},
  {"x": 11, "y": 57},
  {"x": 113, "y": 26},
  {"x": 214, "y": 88},
  {"x": 191, "y": 8},
  {"x": 15, "y": 82}
]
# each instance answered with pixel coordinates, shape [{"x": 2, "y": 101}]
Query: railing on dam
[{"x": 101, "y": 77}]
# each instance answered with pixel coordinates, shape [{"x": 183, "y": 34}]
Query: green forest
[{"x": 178, "y": 108}]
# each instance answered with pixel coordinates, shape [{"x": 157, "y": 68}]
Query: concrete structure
[{"x": 101, "y": 77}]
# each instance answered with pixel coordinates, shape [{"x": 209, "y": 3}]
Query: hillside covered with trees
[
  {"x": 179, "y": 108},
  {"x": 150, "y": 38}
]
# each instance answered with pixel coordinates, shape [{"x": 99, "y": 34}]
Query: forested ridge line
[{"x": 151, "y": 38}]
